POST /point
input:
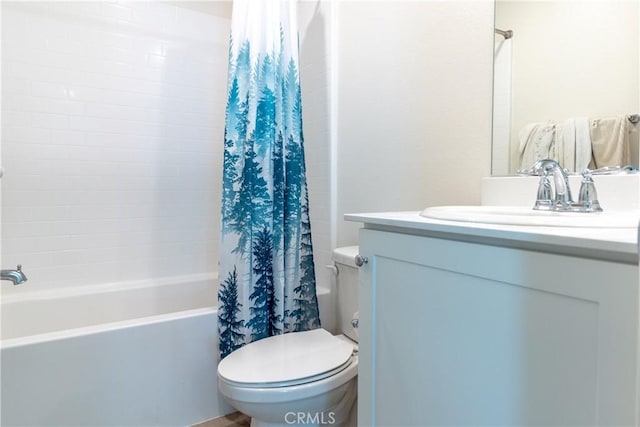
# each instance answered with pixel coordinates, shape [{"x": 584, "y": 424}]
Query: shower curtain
[{"x": 267, "y": 277}]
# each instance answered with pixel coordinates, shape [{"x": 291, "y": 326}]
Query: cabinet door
[{"x": 455, "y": 333}]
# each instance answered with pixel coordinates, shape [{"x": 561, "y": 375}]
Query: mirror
[{"x": 568, "y": 74}]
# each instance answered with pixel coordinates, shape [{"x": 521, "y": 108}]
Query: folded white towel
[
  {"x": 566, "y": 144},
  {"x": 583, "y": 144},
  {"x": 573, "y": 144}
]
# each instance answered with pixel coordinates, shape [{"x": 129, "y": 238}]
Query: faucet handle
[
  {"x": 544, "y": 199},
  {"x": 588, "y": 196},
  {"x": 544, "y": 188}
]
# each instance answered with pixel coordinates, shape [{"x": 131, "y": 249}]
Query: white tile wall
[{"x": 112, "y": 121}]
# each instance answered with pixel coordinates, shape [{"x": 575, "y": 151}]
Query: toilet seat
[{"x": 286, "y": 360}]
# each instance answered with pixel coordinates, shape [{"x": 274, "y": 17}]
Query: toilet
[{"x": 301, "y": 378}]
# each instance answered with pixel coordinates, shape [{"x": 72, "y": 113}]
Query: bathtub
[{"x": 125, "y": 354}]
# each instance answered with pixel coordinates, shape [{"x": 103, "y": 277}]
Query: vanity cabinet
[{"x": 454, "y": 332}]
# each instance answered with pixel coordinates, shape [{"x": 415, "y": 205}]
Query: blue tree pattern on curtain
[{"x": 267, "y": 277}]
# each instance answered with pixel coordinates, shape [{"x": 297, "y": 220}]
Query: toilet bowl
[{"x": 301, "y": 378}]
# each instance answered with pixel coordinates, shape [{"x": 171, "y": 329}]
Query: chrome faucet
[
  {"x": 561, "y": 200},
  {"x": 16, "y": 276}
]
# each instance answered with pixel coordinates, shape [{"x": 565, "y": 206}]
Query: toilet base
[
  {"x": 339, "y": 409},
  {"x": 327, "y": 418}
]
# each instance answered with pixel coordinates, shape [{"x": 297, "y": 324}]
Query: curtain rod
[{"x": 506, "y": 34}]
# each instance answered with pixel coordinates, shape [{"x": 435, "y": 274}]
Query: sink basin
[{"x": 515, "y": 215}]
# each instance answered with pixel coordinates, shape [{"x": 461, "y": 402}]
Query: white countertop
[{"x": 613, "y": 244}]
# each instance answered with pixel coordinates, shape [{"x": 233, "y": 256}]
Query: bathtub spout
[{"x": 16, "y": 276}]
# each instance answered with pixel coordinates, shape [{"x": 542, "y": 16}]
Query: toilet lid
[{"x": 287, "y": 359}]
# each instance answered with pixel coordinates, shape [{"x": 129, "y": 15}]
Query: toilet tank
[{"x": 346, "y": 288}]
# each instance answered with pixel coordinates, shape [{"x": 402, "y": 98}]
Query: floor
[{"x": 236, "y": 419}]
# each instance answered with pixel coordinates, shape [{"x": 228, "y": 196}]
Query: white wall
[
  {"x": 414, "y": 105},
  {"x": 113, "y": 116}
]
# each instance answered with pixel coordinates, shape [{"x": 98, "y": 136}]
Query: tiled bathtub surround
[{"x": 112, "y": 121}]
